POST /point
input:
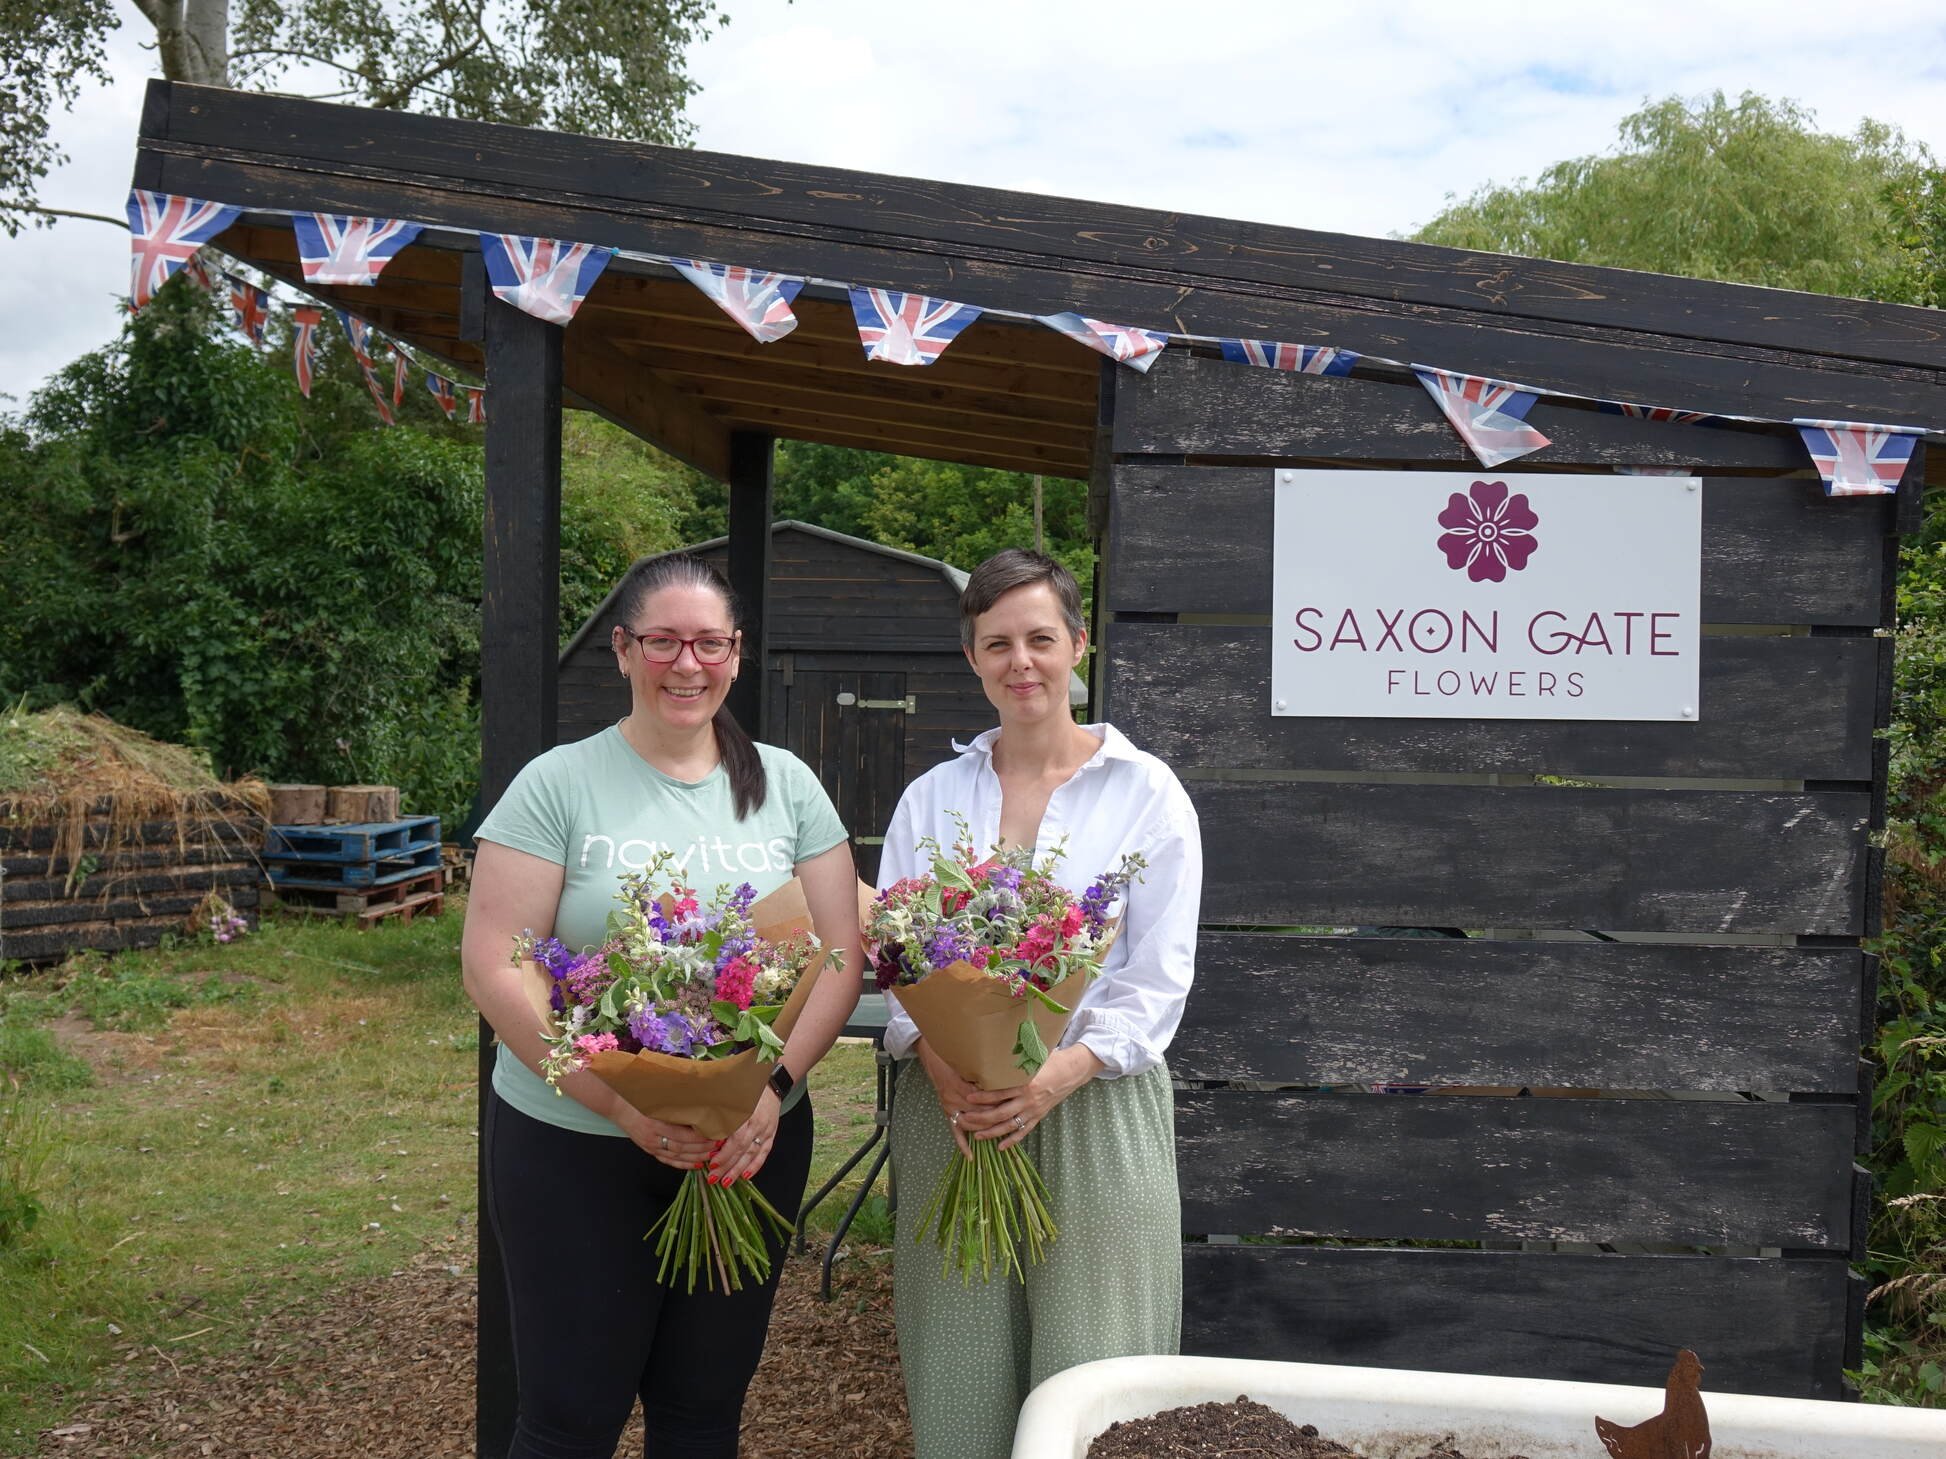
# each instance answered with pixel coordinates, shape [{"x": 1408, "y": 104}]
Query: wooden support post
[
  {"x": 519, "y": 646},
  {"x": 750, "y": 461}
]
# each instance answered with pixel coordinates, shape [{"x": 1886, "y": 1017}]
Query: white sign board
[{"x": 1471, "y": 595}]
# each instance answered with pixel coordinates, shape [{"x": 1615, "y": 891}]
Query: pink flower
[
  {"x": 1071, "y": 922},
  {"x": 590, "y": 1044},
  {"x": 735, "y": 982}
]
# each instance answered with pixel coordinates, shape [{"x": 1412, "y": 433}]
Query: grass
[{"x": 286, "y": 1113}]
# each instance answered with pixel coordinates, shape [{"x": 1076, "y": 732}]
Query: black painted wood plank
[
  {"x": 1195, "y": 406},
  {"x": 1774, "y": 708},
  {"x": 961, "y": 220},
  {"x": 102, "y": 888},
  {"x": 749, "y": 571},
  {"x": 1479, "y": 1167},
  {"x": 1197, "y": 539},
  {"x": 1361, "y": 1010},
  {"x": 1763, "y": 1326},
  {"x": 519, "y": 652},
  {"x": 1581, "y": 359},
  {"x": 1312, "y": 854}
]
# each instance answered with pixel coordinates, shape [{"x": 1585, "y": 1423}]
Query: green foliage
[
  {"x": 46, "y": 52},
  {"x": 608, "y": 68},
  {"x": 1749, "y": 192},
  {"x": 200, "y": 555},
  {"x": 621, "y": 499},
  {"x": 24, "y": 1150},
  {"x": 127, "y": 997},
  {"x": 959, "y": 514},
  {"x": 30, "y": 1055}
]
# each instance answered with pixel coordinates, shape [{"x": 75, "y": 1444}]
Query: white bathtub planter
[{"x": 1395, "y": 1413}]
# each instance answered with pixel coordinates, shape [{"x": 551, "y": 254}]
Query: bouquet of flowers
[
  {"x": 680, "y": 1012},
  {"x": 989, "y": 957}
]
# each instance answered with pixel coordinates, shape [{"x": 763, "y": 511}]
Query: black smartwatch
[{"x": 782, "y": 1081}]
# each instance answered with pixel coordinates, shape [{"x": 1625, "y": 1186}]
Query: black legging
[{"x": 592, "y": 1327}]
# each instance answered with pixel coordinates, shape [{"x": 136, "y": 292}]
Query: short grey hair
[{"x": 1017, "y": 567}]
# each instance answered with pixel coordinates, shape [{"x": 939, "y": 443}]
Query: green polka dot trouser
[{"x": 1111, "y": 1285}]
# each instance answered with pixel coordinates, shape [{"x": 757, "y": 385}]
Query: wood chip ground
[{"x": 384, "y": 1370}]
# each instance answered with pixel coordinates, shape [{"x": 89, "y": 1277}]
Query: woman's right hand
[
  {"x": 677, "y": 1146},
  {"x": 955, "y": 1094}
]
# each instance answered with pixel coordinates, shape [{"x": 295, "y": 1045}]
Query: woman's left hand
[
  {"x": 1010, "y": 1115},
  {"x": 744, "y": 1153}
]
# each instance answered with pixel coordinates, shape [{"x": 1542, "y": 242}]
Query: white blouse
[{"x": 1122, "y": 800}]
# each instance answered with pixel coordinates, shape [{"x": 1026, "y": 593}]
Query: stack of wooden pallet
[{"x": 369, "y": 870}]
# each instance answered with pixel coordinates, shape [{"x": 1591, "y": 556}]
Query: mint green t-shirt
[{"x": 599, "y": 811}]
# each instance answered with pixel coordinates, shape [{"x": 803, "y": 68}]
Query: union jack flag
[
  {"x": 378, "y": 394},
  {"x": 760, "y": 302},
  {"x": 1654, "y": 412},
  {"x": 304, "y": 345},
  {"x": 1305, "y": 359},
  {"x": 1122, "y": 343},
  {"x": 249, "y": 308},
  {"x": 544, "y": 276},
  {"x": 442, "y": 391},
  {"x": 475, "y": 405},
  {"x": 336, "y": 248},
  {"x": 197, "y": 271},
  {"x": 907, "y": 329},
  {"x": 1857, "y": 459},
  {"x": 400, "y": 363},
  {"x": 360, "y": 335},
  {"x": 1490, "y": 415},
  {"x": 163, "y": 231}
]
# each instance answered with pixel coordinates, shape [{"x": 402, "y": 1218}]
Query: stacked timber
[{"x": 118, "y": 840}]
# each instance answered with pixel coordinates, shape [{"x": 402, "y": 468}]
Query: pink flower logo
[{"x": 1488, "y": 532}]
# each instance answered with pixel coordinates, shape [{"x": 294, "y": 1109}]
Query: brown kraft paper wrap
[
  {"x": 712, "y": 1096},
  {"x": 973, "y": 1022}
]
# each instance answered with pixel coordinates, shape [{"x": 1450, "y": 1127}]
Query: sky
[{"x": 1348, "y": 118}]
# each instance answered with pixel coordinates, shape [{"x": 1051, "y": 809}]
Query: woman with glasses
[
  {"x": 1098, "y": 1117},
  {"x": 575, "y": 1182}
]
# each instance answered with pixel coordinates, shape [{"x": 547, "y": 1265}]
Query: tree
[
  {"x": 607, "y": 67},
  {"x": 1750, "y": 193}
]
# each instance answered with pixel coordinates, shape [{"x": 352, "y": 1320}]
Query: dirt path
[{"x": 384, "y": 1370}]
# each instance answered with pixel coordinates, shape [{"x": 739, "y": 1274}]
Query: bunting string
[{"x": 550, "y": 278}]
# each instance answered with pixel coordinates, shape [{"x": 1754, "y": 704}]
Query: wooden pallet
[
  {"x": 330, "y": 874},
  {"x": 423, "y": 894},
  {"x": 352, "y": 843}
]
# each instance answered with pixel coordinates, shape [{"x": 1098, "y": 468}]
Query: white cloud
[{"x": 1310, "y": 113}]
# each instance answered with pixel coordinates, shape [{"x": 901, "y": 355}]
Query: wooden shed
[
  {"x": 1725, "y": 866},
  {"x": 864, "y": 679}
]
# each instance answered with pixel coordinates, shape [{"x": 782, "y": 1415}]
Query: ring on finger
[
  {"x": 665, "y": 1142},
  {"x": 956, "y": 1115},
  {"x": 1019, "y": 1123}
]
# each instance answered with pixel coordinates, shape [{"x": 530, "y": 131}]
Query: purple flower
[
  {"x": 948, "y": 946},
  {"x": 1489, "y": 533},
  {"x": 1005, "y": 877},
  {"x": 552, "y": 954},
  {"x": 732, "y": 949},
  {"x": 740, "y": 902}
]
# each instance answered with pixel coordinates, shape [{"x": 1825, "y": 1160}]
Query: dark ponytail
[{"x": 741, "y": 762}]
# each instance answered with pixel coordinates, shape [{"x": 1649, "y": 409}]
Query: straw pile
[{"x": 139, "y": 830}]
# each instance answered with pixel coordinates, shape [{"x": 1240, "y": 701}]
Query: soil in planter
[{"x": 1244, "y": 1429}]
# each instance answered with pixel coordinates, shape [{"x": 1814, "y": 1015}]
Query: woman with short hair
[{"x": 1097, "y": 1119}]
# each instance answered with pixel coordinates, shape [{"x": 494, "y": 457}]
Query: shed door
[{"x": 849, "y": 726}]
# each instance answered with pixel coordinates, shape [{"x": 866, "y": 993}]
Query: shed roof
[
  {"x": 650, "y": 352},
  {"x": 953, "y": 577}
]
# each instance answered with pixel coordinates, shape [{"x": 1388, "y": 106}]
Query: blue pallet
[
  {"x": 369, "y": 841},
  {"x": 318, "y": 875}
]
